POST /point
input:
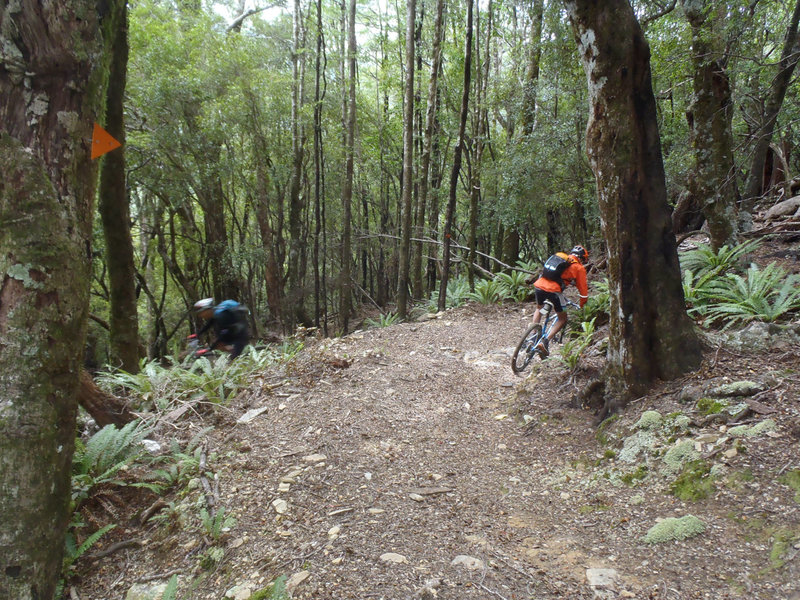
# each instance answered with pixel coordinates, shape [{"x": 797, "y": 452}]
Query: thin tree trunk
[
  {"x": 408, "y": 165},
  {"x": 114, "y": 212},
  {"x": 650, "y": 336},
  {"x": 425, "y": 161},
  {"x": 345, "y": 307},
  {"x": 52, "y": 87},
  {"x": 462, "y": 125}
]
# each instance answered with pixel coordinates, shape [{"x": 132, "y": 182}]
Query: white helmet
[{"x": 203, "y": 304}]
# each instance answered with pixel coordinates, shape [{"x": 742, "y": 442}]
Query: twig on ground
[{"x": 165, "y": 575}]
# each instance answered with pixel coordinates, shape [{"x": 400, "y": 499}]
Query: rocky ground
[{"x": 409, "y": 462}]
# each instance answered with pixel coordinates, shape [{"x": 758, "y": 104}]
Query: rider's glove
[{"x": 191, "y": 337}]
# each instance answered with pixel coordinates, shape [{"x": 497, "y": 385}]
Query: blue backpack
[{"x": 230, "y": 314}]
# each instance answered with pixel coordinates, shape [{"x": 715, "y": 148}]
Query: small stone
[
  {"x": 146, "y": 592},
  {"x": 565, "y": 495},
  {"x": 375, "y": 511},
  {"x": 296, "y": 579},
  {"x": 393, "y": 557},
  {"x": 500, "y": 417},
  {"x": 284, "y": 486},
  {"x": 333, "y": 532},
  {"x": 314, "y": 458},
  {"x": 730, "y": 452},
  {"x": 280, "y": 506},
  {"x": 416, "y": 497},
  {"x": 368, "y": 476},
  {"x": 236, "y": 543},
  {"x": 469, "y": 562},
  {"x": 281, "y": 406},
  {"x": 251, "y": 414},
  {"x": 239, "y": 592}
]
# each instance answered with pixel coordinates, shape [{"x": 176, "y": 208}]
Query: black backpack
[
  {"x": 555, "y": 266},
  {"x": 231, "y": 315}
]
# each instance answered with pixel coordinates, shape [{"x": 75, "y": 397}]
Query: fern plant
[
  {"x": 457, "y": 293},
  {"x": 487, "y": 291},
  {"x": 215, "y": 525},
  {"x": 598, "y": 303},
  {"x": 763, "y": 295},
  {"x": 73, "y": 551},
  {"x": 514, "y": 285},
  {"x": 385, "y": 320},
  {"x": 576, "y": 344},
  {"x": 107, "y": 452},
  {"x": 703, "y": 259}
]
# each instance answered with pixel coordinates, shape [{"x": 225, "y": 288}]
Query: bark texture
[
  {"x": 52, "y": 81},
  {"x": 713, "y": 182},
  {"x": 115, "y": 214},
  {"x": 651, "y": 336}
]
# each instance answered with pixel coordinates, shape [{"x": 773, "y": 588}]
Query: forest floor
[{"x": 409, "y": 462}]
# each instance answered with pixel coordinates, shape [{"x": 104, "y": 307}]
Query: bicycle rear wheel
[{"x": 524, "y": 353}]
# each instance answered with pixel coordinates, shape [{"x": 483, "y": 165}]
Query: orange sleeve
[{"x": 577, "y": 274}]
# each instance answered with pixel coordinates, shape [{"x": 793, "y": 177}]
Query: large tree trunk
[
  {"x": 104, "y": 408},
  {"x": 713, "y": 181},
  {"x": 462, "y": 125},
  {"x": 651, "y": 337},
  {"x": 52, "y": 88},
  {"x": 777, "y": 92},
  {"x": 114, "y": 212},
  {"x": 408, "y": 165}
]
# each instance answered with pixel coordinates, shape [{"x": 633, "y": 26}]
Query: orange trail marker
[{"x": 102, "y": 142}]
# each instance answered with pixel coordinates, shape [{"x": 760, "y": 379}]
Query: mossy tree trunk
[
  {"x": 52, "y": 83},
  {"x": 713, "y": 181},
  {"x": 651, "y": 337}
]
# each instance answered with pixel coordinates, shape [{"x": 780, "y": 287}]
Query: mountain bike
[{"x": 525, "y": 351}]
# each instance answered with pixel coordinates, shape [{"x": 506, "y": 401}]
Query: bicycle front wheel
[{"x": 524, "y": 353}]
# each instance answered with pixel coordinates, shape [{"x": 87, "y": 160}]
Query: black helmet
[{"x": 581, "y": 253}]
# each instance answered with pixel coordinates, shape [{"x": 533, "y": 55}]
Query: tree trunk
[
  {"x": 114, "y": 212},
  {"x": 345, "y": 307},
  {"x": 408, "y": 165},
  {"x": 104, "y": 408},
  {"x": 528, "y": 113},
  {"x": 651, "y": 336},
  {"x": 425, "y": 161},
  {"x": 52, "y": 87},
  {"x": 462, "y": 125},
  {"x": 713, "y": 180},
  {"x": 295, "y": 309},
  {"x": 777, "y": 92}
]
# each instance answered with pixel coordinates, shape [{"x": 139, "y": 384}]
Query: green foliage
[
  {"x": 638, "y": 475},
  {"x": 457, "y": 293},
  {"x": 73, "y": 551},
  {"x": 275, "y": 591},
  {"x": 704, "y": 260},
  {"x": 711, "y": 406},
  {"x": 792, "y": 479},
  {"x": 694, "y": 483},
  {"x": 211, "y": 558},
  {"x": 215, "y": 525},
  {"x": 762, "y": 295},
  {"x": 171, "y": 593},
  {"x": 487, "y": 291},
  {"x": 181, "y": 464},
  {"x": 514, "y": 285},
  {"x": 576, "y": 344},
  {"x": 598, "y": 303},
  {"x": 103, "y": 456},
  {"x": 385, "y": 320}
]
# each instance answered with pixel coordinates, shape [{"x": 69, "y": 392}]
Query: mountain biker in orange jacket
[{"x": 548, "y": 289}]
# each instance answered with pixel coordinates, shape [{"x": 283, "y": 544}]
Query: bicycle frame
[{"x": 532, "y": 336}]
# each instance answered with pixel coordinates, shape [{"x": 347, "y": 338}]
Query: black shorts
[{"x": 554, "y": 297}]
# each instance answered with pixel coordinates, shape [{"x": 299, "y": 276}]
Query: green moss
[
  {"x": 782, "y": 542},
  {"x": 602, "y": 430},
  {"x": 765, "y": 426},
  {"x": 792, "y": 479},
  {"x": 711, "y": 406},
  {"x": 694, "y": 483},
  {"x": 634, "y": 476},
  {"x": 275, "y": 591},
  {"x": 650, "y": 419},
  {"x": 675, "y": 529},
  {"x": 679, "y": 455}
]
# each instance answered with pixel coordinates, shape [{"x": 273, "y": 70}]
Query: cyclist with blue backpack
[
  {"x": 560, "y": 270},
  {"x": 229, "y": 320}
]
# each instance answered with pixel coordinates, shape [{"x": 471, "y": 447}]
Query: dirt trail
[{"x": 395, "y": 464}]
